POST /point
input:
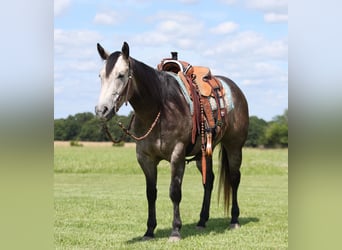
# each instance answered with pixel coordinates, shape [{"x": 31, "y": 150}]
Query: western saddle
[{"x": 207, "y": 95}]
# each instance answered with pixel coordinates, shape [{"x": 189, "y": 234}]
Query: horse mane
[{"x": 159, "y": 85}]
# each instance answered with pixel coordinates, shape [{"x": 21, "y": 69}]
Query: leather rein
[
  {"x": 124, "y": 93},
  {"x": 127, "y": 132}
]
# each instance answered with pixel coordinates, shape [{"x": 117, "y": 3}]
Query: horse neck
[{"x": 145, "y": 99}]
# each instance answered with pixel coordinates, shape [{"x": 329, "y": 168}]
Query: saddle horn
[{"x": 174, "y": 55}]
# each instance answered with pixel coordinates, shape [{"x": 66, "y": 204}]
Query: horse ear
[
  {"x": 102, "y": 52},
  {"x": 125, "y": 50}
]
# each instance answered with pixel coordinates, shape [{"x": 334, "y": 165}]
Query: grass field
[{"x": 100, "y": 202}]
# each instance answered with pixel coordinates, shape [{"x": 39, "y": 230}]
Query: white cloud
[
  {"x": 176, "y": 29},
  {"x": 84, "y": 65},
  {"x": 58, "y": 89},
  {"x": 268, "y": 69},
  {"x": 75, "y": 43},
  {"x": 261, "y": 72},
  {"x": 171, "y": 28},
  {"x": 225, "y": 28},
  {"x": 185, "y": 43},
  {"x": 75, "y": 36},
  {"x": 229, "y": 2},
  {"x": 167, "y": 15},
  {"x": 268, "y": 5},
  {"x": 76, "y": 64},
  {"x": 274, "y": 17},
  {"x": 252, "y": 61},
  {"x": 250, "y": 82},
  {"x": 249, "y": 45},
  {"x": 107, "y": 18},
  {"x": 273, "y": 49},
  {"x": 188, "y": 1},
  {"x": 60, "y": 6},
  {"x": 274, "y": 10},
  {"x": 242, "y": 43},
  {"x": 150, "y": 38}
]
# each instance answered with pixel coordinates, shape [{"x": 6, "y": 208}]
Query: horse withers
[{"x": 163, "y": 122}]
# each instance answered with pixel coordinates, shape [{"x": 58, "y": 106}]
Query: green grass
[{"x": 100, "y": 203}]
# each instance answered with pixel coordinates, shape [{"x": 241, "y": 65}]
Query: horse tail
[{"x": 224, "y": 179}]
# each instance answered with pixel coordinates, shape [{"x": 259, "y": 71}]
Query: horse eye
[{"x": 121, "y": 76}]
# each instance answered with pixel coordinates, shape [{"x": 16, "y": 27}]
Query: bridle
[
  {"x": 124, "y": 93},
  {"x": 125, "y": 90}
]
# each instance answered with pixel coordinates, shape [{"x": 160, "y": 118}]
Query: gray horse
[{"x": 164, "y": 122}]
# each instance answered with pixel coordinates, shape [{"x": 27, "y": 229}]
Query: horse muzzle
[{"x": 104, "y": 112}]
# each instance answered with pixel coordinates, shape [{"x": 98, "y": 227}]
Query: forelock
[{"x": 111, "y": 61}]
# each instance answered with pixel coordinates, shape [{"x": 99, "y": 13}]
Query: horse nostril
[
  {"x": 105, "y": 109},
  {"x": 101, "y": 111}
]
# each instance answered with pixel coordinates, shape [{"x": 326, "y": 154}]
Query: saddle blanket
[{"x": 227, "y": 97}]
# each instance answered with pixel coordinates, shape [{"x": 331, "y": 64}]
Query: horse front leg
[
  {"x": 149, "y": 167},
  {"x": 177, "y": 172},
  {"x": 208, "y": 187}
]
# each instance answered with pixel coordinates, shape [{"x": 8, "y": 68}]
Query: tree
[
  {"x": 256, "y": 132},
  {"x": 92, "y": 131},
  {"x": 87, "y": 127},
  {"x": 59, "y": 130},
  {"x": 69, "y": 129},
  {"x": 72, "y": 128},
  {"x": 276, "y": 133},
  {"x": 84, "y": 117}
]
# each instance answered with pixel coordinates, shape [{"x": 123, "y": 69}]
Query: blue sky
[{"x": 246, "y": 40}]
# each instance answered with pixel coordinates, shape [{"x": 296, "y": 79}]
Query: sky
[{"x": 245, "y": 40}]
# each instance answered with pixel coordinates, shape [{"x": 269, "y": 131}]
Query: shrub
[
  {"x": 119, "y": 144},
  {"x": 75, "y": 144}
]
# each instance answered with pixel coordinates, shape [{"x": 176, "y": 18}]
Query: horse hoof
[
  {"x": 200, "y": 228},
  {"x": 234, "y": 226},
  {"x": 147, "y": 238},
  {"x": 174, "y": 239}
]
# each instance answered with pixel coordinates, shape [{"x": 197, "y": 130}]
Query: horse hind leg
[
  {"x": 208, "y": 187},
  {"x": 235, "y": 157},
  {"x": 230, "y": 169}
]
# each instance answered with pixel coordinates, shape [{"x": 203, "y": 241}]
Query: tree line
[
  {"x": 87, "y": 127},
  {"x": 268, "y": 134}
]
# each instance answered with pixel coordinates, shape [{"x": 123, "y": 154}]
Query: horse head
[{"x": 116, "y": 78}]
